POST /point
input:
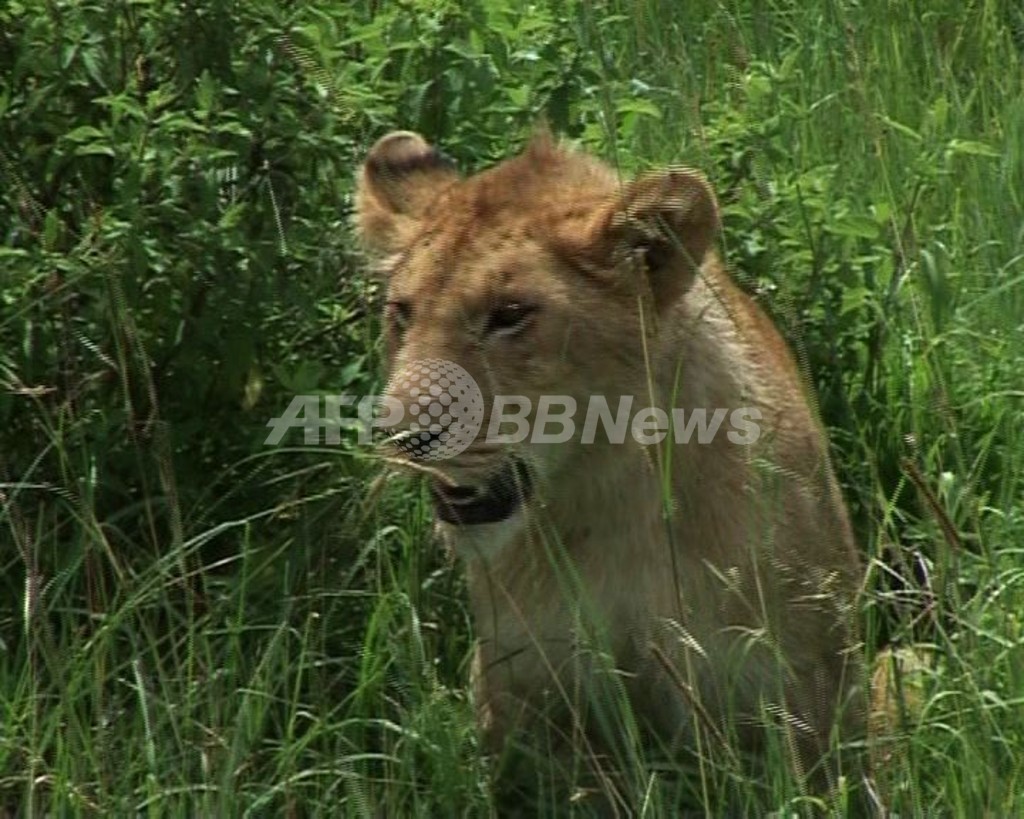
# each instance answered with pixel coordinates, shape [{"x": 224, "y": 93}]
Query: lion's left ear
[
  {"x": 668, "y": 219},
  {"x": 402, "y": 175}
]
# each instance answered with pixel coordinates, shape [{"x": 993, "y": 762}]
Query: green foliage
[{"x": 193, "y": 622}]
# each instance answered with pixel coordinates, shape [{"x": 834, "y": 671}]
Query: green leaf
[
  {"x": 969, "y": 147},
  {"x": 84, "y": 133},
  {"x": 639, "y": 106},
  {"x": 95, "y": 149},
  {"x": 232, "y": 216},
  {"x": 899, "y": 127},
  {"x": 519, "y": 95},
  {"x": 51, "y": 229},
  {"x": 353, "y": 370},
  {"x": 861, "y": 227},
  {"x": 206, "y": 91}
]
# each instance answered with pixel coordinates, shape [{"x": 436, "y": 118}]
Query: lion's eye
[
  {"x": 510, "y": 319},
  {"x": 398, "y": 314}
]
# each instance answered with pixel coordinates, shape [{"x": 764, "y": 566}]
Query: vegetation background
[{"x": 194, "y": 623}]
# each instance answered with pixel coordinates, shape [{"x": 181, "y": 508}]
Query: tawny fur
[{"x": 733, "y": 563}]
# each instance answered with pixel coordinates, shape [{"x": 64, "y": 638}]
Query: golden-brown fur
[{"x": 717, "y": 573}]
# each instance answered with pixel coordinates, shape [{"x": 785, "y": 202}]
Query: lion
[{"x": 711, "y": 581}]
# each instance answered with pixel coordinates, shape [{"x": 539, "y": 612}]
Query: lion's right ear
[
  {"x": 668, "y": 220},
  {"x": 401, "y": 177}
]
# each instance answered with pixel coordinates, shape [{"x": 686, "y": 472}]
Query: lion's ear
[
  {"x": 401, "y": 177},
  {"x": 668, "y": 220}
]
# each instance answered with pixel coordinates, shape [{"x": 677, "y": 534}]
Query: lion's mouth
[{"x": 504, "y": 492}]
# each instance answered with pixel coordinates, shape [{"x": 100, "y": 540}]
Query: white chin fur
[{"x": 483, "y": 540}]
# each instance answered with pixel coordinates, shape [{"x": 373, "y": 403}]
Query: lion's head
[{"x": 542, "y": 276}]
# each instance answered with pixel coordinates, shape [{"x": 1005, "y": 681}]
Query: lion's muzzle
[{"x": 493, "y": 501}]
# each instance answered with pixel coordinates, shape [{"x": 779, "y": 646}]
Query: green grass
[{"x": 194, "y": 624}]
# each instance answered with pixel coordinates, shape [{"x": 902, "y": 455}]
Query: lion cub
[{"x": 618, "y": 540}]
